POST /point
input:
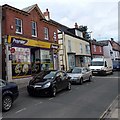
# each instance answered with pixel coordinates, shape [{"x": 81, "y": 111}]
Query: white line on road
[
  {"x": 50, "y": 98},
  {"x": 20, "y": 110},
  {"x": 108, "y": 77},
  {"x": 38, "y": 103}
]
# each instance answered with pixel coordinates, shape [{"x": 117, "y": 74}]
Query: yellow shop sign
[{"x": 28, "y": 42}]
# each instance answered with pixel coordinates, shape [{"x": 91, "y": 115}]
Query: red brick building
[
  {"x": 96, "y": 49},
  {"x": 30, "y": 41}
]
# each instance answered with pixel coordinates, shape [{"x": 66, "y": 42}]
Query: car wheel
[
  {"x": 81, "y": 81},
  {"x": 69, "y": 86},
  {"x": 6, "y": 103},
  {"x": 54, "y": 91},
  {"x": 90, "y": 78}
]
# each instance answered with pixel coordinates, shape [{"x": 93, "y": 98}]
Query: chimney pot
[{"x": 76, "y": 25}]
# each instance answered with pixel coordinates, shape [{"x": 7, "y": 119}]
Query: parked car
[
  {"x": 116, "y": 65},
  {"x": 9, "y": 92},
  {"x": 49, "y": 83},
  {"x": 80, "y": 74}
]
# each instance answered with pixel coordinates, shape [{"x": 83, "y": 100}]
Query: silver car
[{"x": 80, "y": 74}]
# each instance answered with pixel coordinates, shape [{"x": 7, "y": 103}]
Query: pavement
[
  {"x": 111, "y": 112},
  {"x": 23, "y": 82}
]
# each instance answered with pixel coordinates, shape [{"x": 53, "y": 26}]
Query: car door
[
  {"x": 64, "y": 80},
  {"x": 87, "y": 73},
  {"x": 58, "y": 81}
]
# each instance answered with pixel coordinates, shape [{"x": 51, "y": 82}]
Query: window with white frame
[
  {"x": 69, "y": 46},
  {"x": 81, "y": 48},
  {"x": 18, "y": 25},
  {"x": 46, "y": 33},
  {"x": 55, "y": 36},
  {"x": 94, "y": 47},
  {"x": 87, "y": 49},
  {"x": 100, "y": 48},
  {"x": 34, "y": 29}
]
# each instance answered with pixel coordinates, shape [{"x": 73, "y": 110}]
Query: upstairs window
[
  {"x": 81, "y": 48},
  {"x": 55, "y": 37},
  {"x": 34, "y": 29},
  {"x": 69, "y": 46},
  {"x": 18, "y": 25},
  {"x": 87, "y": 49},
  {"x": 45, "y": 33},
  {"x": 94, "y": 47},
  {"x": 100, "y": 48}
]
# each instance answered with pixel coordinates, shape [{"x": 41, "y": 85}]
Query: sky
[{"x": 100, "y": 16}]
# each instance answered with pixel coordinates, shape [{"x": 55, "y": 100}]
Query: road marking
[
  {"x": 20, "y": 110},
  {"x": 38, "y": 103},
  {"x": 108, "y": 77},
  {"x": 50, "y": 98}
]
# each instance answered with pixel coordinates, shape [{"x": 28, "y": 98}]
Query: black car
[
  {"x": 9, "y": 91},
  {"x": 49, "y": 83}
]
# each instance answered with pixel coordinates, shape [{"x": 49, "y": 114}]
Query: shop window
[
  {"x": 46, "y": 33},
  {"x": 18, "y": 24},
  {"x": 46, "y": 60},
  {"x": 34, "y": 29},
  {"x": 21, "y": 62}
]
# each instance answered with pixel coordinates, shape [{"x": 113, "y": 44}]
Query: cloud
[{"x": 101, "y": 17}]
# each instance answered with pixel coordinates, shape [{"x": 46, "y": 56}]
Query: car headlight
[
  {"x": 102, "y": 68},
  {"x": 47, "y": 85}
]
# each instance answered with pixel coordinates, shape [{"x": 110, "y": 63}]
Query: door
[{"x": 59, "y": 81}]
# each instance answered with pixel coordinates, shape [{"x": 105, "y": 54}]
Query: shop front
[{"x": 26, "y": 57}]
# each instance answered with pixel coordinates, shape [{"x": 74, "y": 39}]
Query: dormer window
[{"x": 78, "y": 33}]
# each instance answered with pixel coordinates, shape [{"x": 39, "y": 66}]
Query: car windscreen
[
  {"x": 97, "y": 63},
  {"x": 43, "y": 76},
  {"x": 50, "y": 75},
  {"x": 116, "y": 62},
  {"x": 76, "y": 70}
]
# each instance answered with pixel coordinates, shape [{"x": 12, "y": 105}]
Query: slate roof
[
  {"x": 66, "y": 29},
  {"x": 104, "y": 42},
  {"x": 30, "y": 8}
]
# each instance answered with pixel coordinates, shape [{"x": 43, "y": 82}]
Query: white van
[{"x": 101, "y": 66}]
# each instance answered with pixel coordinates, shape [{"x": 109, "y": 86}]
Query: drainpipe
[{"x": 0, "y": 42}]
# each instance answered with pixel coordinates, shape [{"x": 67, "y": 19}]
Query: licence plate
[{"x": 95, "y": 72}]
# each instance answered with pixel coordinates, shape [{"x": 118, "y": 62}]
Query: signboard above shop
[{"x": 30, "y": 42}]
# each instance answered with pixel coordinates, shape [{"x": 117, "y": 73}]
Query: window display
[
  {"x": 21, "y": 62},
  {"x": 46, "y": 60}
]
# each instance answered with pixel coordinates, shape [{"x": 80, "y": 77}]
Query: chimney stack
[
  {"x": 47, "y": 14},
  {"x": 76, "y": 25}
]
